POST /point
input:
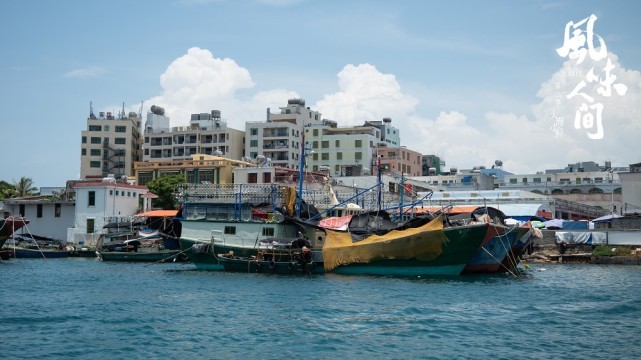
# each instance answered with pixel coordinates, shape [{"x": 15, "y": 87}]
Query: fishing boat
[
  {"x": 216, "y": 219},
  {"x": 9, "y": 225},
  {"x": 148, "y": 249},
  {"x": 375, "y": 245},
  {"x": 36, "y": 247},
  {"x": 282, "y": 257}
]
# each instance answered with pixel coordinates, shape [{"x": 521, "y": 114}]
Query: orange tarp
[
  {"x": 457, "y": 209},
  {"x": 159, "y": 213}
]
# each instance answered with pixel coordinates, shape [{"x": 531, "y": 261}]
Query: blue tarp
[{"x": 575, "y": 225}]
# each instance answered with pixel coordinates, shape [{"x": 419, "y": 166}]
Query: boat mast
[
  {"x": 301, "y": 167},
  {"x": 379, "y": 176}
]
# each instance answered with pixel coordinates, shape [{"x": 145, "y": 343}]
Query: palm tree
[{"x": 24, "y": 187}]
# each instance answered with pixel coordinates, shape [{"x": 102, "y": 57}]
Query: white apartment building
[
  {"x": 279, "y": 138},
  {"x": 206, "y": 134},
  {"x": 98, "y": 203},
  {"x": 343, "y": 151},
  {"x": 110, "y": 145},
  {"x": 390, "y": 136}
]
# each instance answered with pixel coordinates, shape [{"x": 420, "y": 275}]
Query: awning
[
  {"x": 159, "y": 213},
  {"x": 607, "y": 218}
]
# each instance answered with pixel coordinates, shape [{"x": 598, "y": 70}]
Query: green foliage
[
  {"x": 6, "y": 190},
  {"x": 607, "y": 250},
  {"x": 24, "y": 187},
  {"x": 165, "y": 187},
  {"x": 602, "y": 250}
]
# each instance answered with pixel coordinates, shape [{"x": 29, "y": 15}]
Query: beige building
[
  {"x": 206, "y": 134},
  {"x": 110, "y": 145},
  {"x": 279, "y": 137},
  {"x": 199, "y": 169}
]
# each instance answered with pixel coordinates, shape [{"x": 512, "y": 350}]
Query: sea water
[{"x": 86, "y": 309}]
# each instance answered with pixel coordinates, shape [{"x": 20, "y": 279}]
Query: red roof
[{"x": 110, "y": 184}]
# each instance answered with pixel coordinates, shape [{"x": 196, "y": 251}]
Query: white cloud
[
  {"x": 86, "y": 72},
  {"x": 199, "y": 82},
  {"x": 365, "y": 94}
]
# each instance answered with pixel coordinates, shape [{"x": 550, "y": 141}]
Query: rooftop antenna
[
  {"x": 91, "y": 114},
  {"x": 121, "y": 114}
]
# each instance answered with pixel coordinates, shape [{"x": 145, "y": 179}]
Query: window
[
  {"x": 337, "y": 168},
  {"x": 315, "y": 132},
  {"x": 128, "y": 193},
  {"x": 325, "y": 156},
  {"x": 229, "y": 230},
  {"x": 339, "y": 156},
  {"x": 111, "y": 192},
  {"x": 83, "y": 152},
  {"x": 95, "y": 152},
  {"x": 512, "y": 181},
  {"x": 84, "y": 139},
  {"x": 253, "y": 143},
  {"x": 252, "y": 178},
  {"x": 358, "y": 143},
  {"x": 39, "y": 210},
  {"x": 106, "y": 127},
  {"x": 91, "y": 199},
  {"x": 338, "y": 143},
  {"x": 94, "y": 164},
  {"x": 95, "y": 140},
  {"x": 267, "y": 178},
  {"x": 268, "y": 231},
  {"x": 95, "y": 128},
  {"x": 315, "y": 145},
  {"x": 90, "y": 226},
  {"x": 358, "y": 155},
  {"x": 315, "y": 156},
  {"x": 121, "y": 129},
  {"x": 22, "y": 210},
  {"x": 57, "y": 210},
  {"x": 120, "y": 141},
  {"x": 325, "y": 144},
  {"x": 253, "y": 131}
]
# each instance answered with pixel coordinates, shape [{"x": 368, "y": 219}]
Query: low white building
[
  {"x": 47, "y": 217},
  {"x": 99, "y": 203}
]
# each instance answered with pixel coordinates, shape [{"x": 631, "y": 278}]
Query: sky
[{"x": 469, "y": 81}]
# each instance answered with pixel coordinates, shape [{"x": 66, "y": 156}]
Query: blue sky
[{"x": 471, "y": 81}]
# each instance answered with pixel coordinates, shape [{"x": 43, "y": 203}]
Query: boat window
[
  {"x": 230, "y": 230},
  {"x": 194, "y": 212},
  {"x": 268, "y": 231}
]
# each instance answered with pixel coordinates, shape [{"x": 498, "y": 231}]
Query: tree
[
  {"x": 165, "y": 187},
  {"x": 24, "y": 187},
  {"x": 6, "y": 190}
]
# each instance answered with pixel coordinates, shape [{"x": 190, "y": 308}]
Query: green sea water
[{"x": 86, "y": 309}]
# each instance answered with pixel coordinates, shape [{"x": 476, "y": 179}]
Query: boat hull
[
  {"x": 19, "y": 253},
  {"x": 268, "y": 267},
  {"x": 160, "y": 256},
  {"x": 489, "y": 257}
]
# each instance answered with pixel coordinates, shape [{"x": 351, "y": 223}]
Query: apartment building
[
  {"x": 280, "y": 136},
  {"x": 207, "y": 133},
  {"x": 110, "y": 145}
]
